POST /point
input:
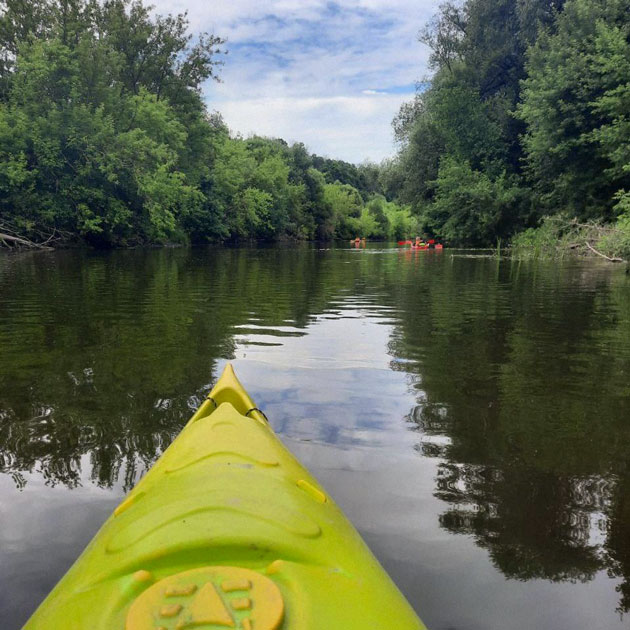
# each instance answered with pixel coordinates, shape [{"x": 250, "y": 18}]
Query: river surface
[{"x": 470, "y": 415}]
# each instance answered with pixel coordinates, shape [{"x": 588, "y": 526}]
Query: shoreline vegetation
[
  {"x": 106, "y": 140},
  {"x": 525, "y": 116},
  {"x": 520, "y": 136},
  {"x": 560, "y": 236}
]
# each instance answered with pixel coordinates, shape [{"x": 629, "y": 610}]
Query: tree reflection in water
[
  {"x": 526, "y": 408},
  {"x": 519, "y": 371}
]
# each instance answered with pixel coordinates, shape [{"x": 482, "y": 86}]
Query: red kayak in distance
[{"x": 423, "y": 246}]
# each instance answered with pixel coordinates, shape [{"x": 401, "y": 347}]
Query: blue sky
[{"x": 329, "y": 74}]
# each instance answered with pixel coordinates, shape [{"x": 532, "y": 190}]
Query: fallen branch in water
[
  {"x": 13, "y": 238},
  {"x": 24, "y": 242},
  {"x": 557, "y": 236},
  {"x": 613, "y": 259}
]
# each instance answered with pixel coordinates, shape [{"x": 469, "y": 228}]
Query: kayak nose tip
[
  {"x": 229, "y": 389},
  {"x": 228, "y": 370}
]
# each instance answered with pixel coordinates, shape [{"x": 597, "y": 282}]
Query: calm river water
[{"x": 471, "y": 416}]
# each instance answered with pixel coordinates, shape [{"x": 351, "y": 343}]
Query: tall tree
[
  {"x": 576, "y": 111},
  {"x": 462, "y": 120}
]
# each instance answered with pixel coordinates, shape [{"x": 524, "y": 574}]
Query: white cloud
[
  {"x": 343, "y": 127},
  {"x": 325, "y": 73}
]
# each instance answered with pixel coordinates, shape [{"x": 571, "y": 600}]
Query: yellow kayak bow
[{"x": 226, "y": 531}]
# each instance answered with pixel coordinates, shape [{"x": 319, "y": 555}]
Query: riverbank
[{"x": 559, "y": 236}]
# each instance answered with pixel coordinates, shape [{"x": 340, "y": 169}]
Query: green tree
[
  {"x": 96, "y": 124},
  {"x": 347, "y": 205},
  {"x": 573, "y": 105},
  {"x": 376, "y": 208},
  {"x": 465, "y": 115},
  {"x": 469, "y": 205}
]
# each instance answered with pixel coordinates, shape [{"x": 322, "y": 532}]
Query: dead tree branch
[
  {"x": 24, "y": 242},
  {"x": 613, "y": 259}
]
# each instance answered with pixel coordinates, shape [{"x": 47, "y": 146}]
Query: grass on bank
[{"x": 559, "y": 236}]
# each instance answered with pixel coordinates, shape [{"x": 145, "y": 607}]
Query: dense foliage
[
  {"x": 526, "y": 115},
  {"x": 105, "y": 138}
]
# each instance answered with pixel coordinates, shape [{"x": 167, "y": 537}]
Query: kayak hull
[{"x": 227, "y": 530}]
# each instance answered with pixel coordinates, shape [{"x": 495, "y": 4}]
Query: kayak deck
[{"x": 227, "y": 530}]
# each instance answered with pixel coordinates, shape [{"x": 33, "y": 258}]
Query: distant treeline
[
  {"x": 527, "y": 114},
  {"x": 105, "y": 139}
]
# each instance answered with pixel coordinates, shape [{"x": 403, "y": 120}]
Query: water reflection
[
  {"x": 508, "y": 383},
  {"x": 526, "y": 407}
]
